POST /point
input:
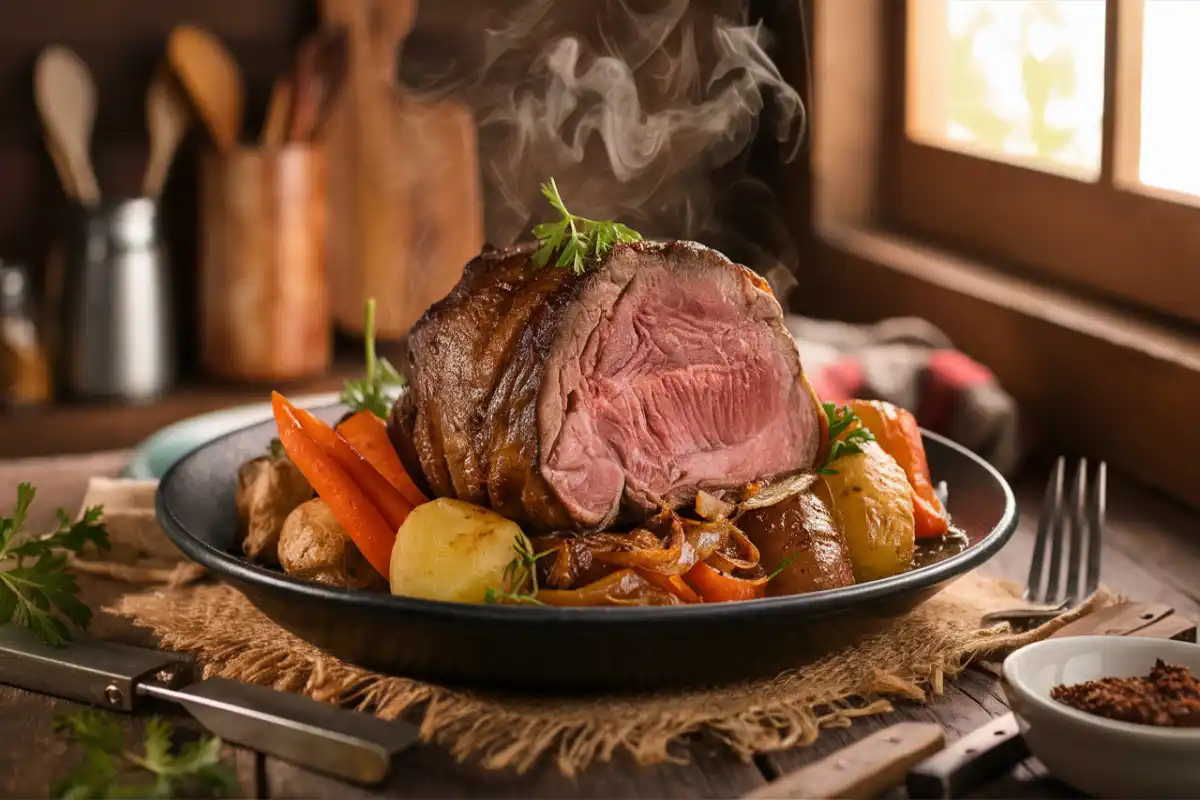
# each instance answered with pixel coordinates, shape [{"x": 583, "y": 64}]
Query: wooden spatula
[
  {"x": 212, "y": 79},
  {"x": 167, "y": 119},
  {"x": 66, "y": 100}
]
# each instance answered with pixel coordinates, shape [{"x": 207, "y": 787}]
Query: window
[{"x": 1062, "y": 136}]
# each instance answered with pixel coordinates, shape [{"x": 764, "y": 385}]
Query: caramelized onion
[
  {"x": 736, "y": 552},
  {"x": 622, "y": 588}
]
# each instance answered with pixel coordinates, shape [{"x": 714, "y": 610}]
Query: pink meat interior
[{"x": 681, "y": 385}]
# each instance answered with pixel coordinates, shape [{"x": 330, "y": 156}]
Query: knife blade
[
  {"x": 998, "y": 746},
  {"x": 347, "y": 744}
]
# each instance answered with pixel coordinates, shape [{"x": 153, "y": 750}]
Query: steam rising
[{"x": 643, "y": 114}]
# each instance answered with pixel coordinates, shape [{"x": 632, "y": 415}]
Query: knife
[
  {"x": 347, "y": 744},
  {"x": 998, "y": 746}
]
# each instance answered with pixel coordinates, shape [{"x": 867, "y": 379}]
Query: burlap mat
[{"x": 857, "y": 667}]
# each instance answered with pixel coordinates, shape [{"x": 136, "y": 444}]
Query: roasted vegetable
[
  {"x": 898, "y": 434},
  {"x": 314, "y": 545},
  {"x": 870, "y": 500},
  {"x": 800, "y": 536},
  {"x": 716, "y": 586},
  {"x": 455, "y": 551},
  {"x": 368, "y": 435},
  {"x": 626, "y": 587},
  {"x": 354, "y": 510},
  {"x": 268, "y": 488}
]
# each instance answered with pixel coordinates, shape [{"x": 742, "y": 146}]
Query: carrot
[
  {"x": 717, "y": 587},
  {"x": 383, "y": 495},
  {"x": 898, "y": 434},
  {"x": 368, "y": 434},
  {"x": 670, "y": 583},
  {"x": 354, "y": 511}
]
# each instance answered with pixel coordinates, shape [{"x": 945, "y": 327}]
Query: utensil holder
[
  {"x": 264, "y": 301},
  {"x": 118, "y": 337}
]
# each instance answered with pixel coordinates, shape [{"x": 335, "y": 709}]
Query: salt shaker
[
  {"x": 24, "y": 373},
  {"x": 118, "y": 332}
]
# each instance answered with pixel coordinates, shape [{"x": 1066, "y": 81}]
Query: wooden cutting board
[{"x": 406, "y": 207}]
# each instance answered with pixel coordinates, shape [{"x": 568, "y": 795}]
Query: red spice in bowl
[{"x": 1168, "y": 697}]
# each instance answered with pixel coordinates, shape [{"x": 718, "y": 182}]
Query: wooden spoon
[
  {"x": 66, "y": 100},
  {"x": 167, "y": 119},
  {"x": 212, "y": 79},
  {"x": 279, "y": 108}
]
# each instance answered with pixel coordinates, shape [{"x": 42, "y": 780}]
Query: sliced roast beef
[{"x": 569, "y": 402}]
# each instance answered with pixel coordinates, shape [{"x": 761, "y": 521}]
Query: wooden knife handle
[
  {"x": 972, "y": 759},
  {"x": 864, "y": 769}
]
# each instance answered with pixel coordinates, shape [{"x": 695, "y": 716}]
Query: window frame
[{"x": 1112, "y": 237}]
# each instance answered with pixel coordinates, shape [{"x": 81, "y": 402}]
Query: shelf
[{"x": 71, "y": 428}]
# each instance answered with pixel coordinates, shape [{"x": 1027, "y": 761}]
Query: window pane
[
  {"x": 1014, "y": 80},
  {"x": 1170, "y": 146}
]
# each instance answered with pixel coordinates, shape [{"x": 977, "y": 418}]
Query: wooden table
[{"x": 1151, "y": 553}]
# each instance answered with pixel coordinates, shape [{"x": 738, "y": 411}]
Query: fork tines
[{"x": 1069, "y": 538}]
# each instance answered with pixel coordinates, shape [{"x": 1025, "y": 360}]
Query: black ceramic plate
[{"x": 542, "y": 647}]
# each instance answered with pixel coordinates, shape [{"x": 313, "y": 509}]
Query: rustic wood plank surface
[{"x": 1150, "y": 554}]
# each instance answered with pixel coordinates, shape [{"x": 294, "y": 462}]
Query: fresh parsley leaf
[
  {"x": 36, "y": 590},
  {"x": 111, "y": 770},
  {"x": 576, "y": 240},
  {"x": 520, "y": 584},
  {"x": 370, "y": 393},
  {"x": 841, "y": 441}
]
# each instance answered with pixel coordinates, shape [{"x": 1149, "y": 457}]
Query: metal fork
[{"x": 1069, "y": 536}]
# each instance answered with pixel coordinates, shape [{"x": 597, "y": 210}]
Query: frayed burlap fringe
[{"x": 862, "y": 666}]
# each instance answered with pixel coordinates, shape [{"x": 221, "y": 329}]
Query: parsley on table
[
  {"x": 577, "y": 240},
  {"x": 111, "y": 770},
  {"x": 35, "y": 585},
  {"x": 840, "y": 419},
  {"x": 370, "y": 393}
]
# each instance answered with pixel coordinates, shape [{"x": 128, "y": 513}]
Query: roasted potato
[
  {"x": 314, "y": 545},
  {"x": 452, "y": 550},
  {"x": 802, "y": 529},
  {"x": 268, "y": 489},
  {"x": 870, "y": 500},
  {"x": 898, "y": 434}
]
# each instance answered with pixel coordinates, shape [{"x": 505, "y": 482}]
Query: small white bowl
[{"x": 1096, "y": 755}]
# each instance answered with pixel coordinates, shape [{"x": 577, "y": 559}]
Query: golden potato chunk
[
  {"x": 314, "y": 545},
  {"x": 871, "y": 502},
  {"x": 454, "y": 551}
]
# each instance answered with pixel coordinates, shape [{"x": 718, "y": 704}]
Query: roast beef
[{"x": 568, "y": 402}]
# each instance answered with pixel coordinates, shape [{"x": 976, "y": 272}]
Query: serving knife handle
[
  {"x": 864, "y": 769},
  {"x": 348, "y": 744},
  {"x": 89, "y": 671},
  {"x": 972, "y": 759}
]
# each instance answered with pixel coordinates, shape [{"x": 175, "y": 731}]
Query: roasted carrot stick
[
  {"x": 368, "y": 434},
  {"x": 670, "y": 583},
  {"x": 362, "y": 521},
  {"x": 383, "y": 495},
  {"x": 717, "y": 587}
]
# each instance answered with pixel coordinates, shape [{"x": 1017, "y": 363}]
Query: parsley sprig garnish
[
  {"x": 840, "y": 419},
  {"x": 111, "y": 770},
  {"x": 520, "y": 583},
  {"x": 370, "y": 393},
  {"x": 577, "y": 240},
  {"x": 35, "y": 586}
]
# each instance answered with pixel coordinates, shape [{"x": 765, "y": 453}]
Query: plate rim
[{"x": 816, "y": 603}]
